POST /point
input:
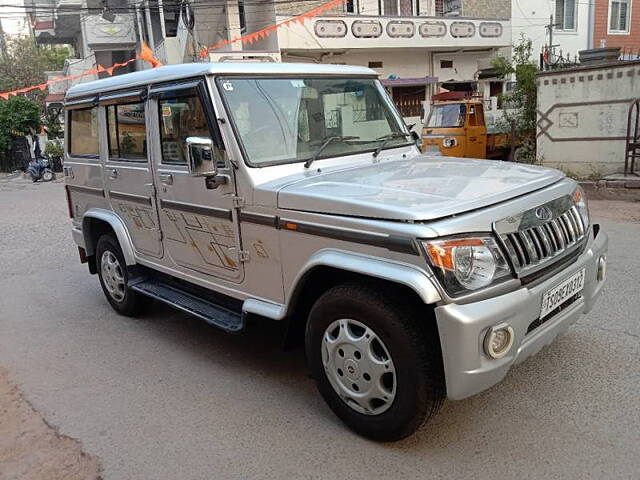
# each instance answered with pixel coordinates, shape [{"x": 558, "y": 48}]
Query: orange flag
[{"x": 147, "y": 55}]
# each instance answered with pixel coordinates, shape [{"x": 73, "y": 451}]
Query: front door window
[{"x": 199, "y": 229}]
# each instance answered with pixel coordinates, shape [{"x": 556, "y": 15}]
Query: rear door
[
  {"x": 127, "y": 172},
  {"x": 199, "y": 225}
]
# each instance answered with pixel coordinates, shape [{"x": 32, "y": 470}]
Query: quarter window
[
  {"x": 83, "y": 132},
  {"x": 127, "y": 131},
  {"x": 619, "y": 13},
  {"x": 180, "y": 118}
]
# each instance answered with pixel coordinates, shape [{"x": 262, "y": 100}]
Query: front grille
[{"x": 534, "y": 247}]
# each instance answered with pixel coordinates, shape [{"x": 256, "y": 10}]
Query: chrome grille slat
[
  {"x": 540, "y": 243},
  {"x": 552, "y": 237},
  {"x": 573, "y": 226},
  {"x": 536, "y": 243},
  {"x": 522, "y": 260},
  {"x": 562, "y": 235},
  {"x": 542, "y": 233},
  {"x": 577, "y": 219},
  {"x": 528, "y": 246},
  {"x": 569, "y": 229}
]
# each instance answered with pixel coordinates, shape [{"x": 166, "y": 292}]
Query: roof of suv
[{"x": 189, "y": 70}]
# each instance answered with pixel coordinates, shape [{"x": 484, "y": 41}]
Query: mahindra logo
[{"x": 543, "y": 213}]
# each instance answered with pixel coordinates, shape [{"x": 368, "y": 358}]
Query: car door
[
  {"x": 199, "y": 225},
  {"x": 476, "y": 132},
  {"x": 127, "y": 169}
]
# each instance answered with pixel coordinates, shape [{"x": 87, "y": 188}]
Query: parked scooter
[{"x": 40, "y": 169}]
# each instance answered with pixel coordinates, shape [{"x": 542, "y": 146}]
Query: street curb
[{"x": 612, "y": 190}]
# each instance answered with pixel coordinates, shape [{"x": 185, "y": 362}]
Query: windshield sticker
[
  {"x": 297, "y": 83},
  {"x": 228, "y": 86},
  {"x": 166, "y": 111}
]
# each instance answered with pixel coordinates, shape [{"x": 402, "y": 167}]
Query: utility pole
[
  {"x": 550, "y": 45},
  {"x": 550, "y": 28}
]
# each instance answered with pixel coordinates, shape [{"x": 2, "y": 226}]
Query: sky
[{"x": 13, "y": 23}]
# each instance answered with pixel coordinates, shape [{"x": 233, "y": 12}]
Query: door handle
[
  {"x": 113, "y": 174},
  {"x": 166, "y": 178}
]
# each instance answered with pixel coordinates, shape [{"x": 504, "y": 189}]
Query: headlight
[
  {"x": 580, "y": 200},
  {"x": 449, "y": 142},
  {"x": 467, "y": 264}
]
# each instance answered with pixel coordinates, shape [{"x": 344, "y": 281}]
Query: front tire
[
  {"x": 47, "y": 175},
  {"x": 376, "y": 360},
  {"x": 114, "y": 276}
]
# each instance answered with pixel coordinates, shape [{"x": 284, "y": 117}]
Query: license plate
[{"x": 558, "y": 295}]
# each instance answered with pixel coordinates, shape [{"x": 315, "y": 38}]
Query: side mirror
[{"x": 200, "y": 157}]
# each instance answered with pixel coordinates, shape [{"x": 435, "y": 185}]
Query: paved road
[{"x": 167, "y": 397}]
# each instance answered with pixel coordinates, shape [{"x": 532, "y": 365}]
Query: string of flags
[
  {"x": 146, "y": 54},
  {"x": 265, "y": 32}
]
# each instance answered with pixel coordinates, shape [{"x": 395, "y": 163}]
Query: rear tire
[
  {"x": 114, "y": 276},
  {"x": 382, "y": 329}
]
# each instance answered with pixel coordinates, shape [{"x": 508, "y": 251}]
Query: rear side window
[
  {"x": 83, "y": 132},
  {"x": 182, "y": 117},
  {"x": 127, "y": 131}
]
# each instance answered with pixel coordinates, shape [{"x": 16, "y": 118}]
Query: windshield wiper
[
  {"x": 327, "y": 141},
  {"x": 386, "y": 138}
]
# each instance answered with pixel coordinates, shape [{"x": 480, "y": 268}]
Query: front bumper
[{"x": 462, "y": 328}]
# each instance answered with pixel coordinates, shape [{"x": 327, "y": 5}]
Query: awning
[
  {"x": 409, "y": 82},
  {"x": 54, "y": 98},
  {"x": 457, "y": 86}
]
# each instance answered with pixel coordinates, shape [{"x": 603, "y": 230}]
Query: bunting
[
  {"x": 265, "y": 32},
  {"x": 146, "y": 54}
]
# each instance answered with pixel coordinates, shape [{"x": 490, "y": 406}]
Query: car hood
[{"x": 421, "y": 188}]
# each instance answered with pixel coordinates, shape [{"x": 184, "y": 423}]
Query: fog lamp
[
  {"x": 602, "y": 268},
  {"x": 498, "y": 341}
]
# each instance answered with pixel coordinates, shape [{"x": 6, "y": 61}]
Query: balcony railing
[{"x": 359, "y": 31}]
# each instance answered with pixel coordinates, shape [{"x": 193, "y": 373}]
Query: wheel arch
[
  {"x": 96, "y": 222},
  {"x": 329, "y": 268}
]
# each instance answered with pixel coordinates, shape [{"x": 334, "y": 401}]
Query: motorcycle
[{"x": 40, "y": 169}]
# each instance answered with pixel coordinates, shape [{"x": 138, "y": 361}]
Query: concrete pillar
[{"x": 258, "y": 15}]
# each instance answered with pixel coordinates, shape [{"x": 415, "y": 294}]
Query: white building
[
  {"x": 572, "y": 20},
  {"x": 419, "y": 46}
]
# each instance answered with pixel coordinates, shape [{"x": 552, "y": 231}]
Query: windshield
[
  {"x": 447, "y": 116},
  {"x": 286, "y": 120}
]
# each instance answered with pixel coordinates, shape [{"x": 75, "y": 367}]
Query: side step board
[{"x": 210, "y": 312}]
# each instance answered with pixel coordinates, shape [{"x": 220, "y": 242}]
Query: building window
[
  {"x": 448, "y": 7},
  {"x": 243, "y": 17},
  {"x": 619, "y": 16},
  {"x": 375, "y": 64},
  {"x": 83, "y": 132},
  {"x": 446, "y": 63},
  {"x": 565, "y": 14},
  {"x": 127, "y": 132},
  {"x": 409, "y": 100},
  {"x": 394, "y": 8},
  {"x": 351, "y": 6}
]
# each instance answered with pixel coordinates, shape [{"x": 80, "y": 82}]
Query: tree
[
  {"x": 53, "y": 57},
  {"x": 52, "y": 123},
  {"x": 521, "y": 102},
  {"x": 18, "y": 116},
  {"x": 24, "y": 65}
]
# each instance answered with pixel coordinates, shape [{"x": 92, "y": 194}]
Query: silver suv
[{"x": 295, "y": 193}]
